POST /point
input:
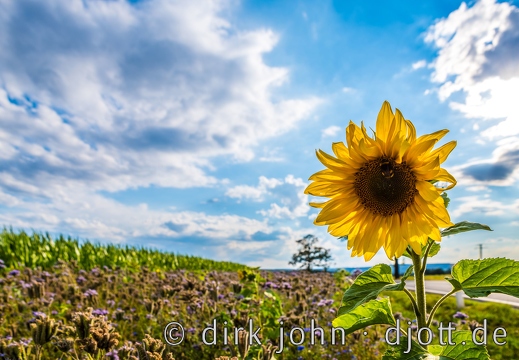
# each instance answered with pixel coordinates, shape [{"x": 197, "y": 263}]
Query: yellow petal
[
  {"x": 337, "y": 208},
  {"x": 428, "y": 170},
  {"x": 444, "y": 175},
  {"x": 411, "y": 131},
  {"x": 332, "y": 162},
  {"x": 384, "y": 118},
  {"x": 317, "y": 205},
  {"x": 340, "y": 150},
  {"x": 427, "y": 190},
  {"x": 444, "y": 151},
  {"x": 401, "y": 126},
  {"x": 437, "y": 135},
  {"x": 416, "y": 150}
]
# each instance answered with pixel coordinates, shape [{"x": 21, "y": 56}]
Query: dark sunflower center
[{"x": 385, "y": 187}]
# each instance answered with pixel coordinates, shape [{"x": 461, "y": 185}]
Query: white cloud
[
  {"x": 81, "y": 213},
  {"x": 289, "y": 198},
  {"x": 477, "y": 55},
  {"x": 477, "y": 188},
  {"x": 478, "y": 48},
  {"x": 125, "y": 96},
  {"x": 348, "y": 90},
  {"x": 330, "y": 131},
  {"x": 255, "y": 193},
  {"x": 483, "y": 205},
  {"x": 502, "y": 169},
  {"x": 294, "y": 202},
  {"x": 419, "y": 64}
]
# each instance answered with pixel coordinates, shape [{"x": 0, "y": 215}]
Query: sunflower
[{"x": 383, "y": 189}]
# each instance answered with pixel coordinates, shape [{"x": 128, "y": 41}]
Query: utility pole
[
  {"x": 480, "y": 251},
  {"x": 397, "y": 272}
]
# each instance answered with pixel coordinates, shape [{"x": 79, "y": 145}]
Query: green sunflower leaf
[
  {"x": 417, "y": 352},
  {"x": 463, "y": 227},
  {"x": 435, "y": 249},
  {"x": 462, "y": 349},
  {"x": 372, "y": 313},
  {"x": 479, "y": 278},
  {"x": 446, "y": 199},
  {"x": 369, "y": 285}
]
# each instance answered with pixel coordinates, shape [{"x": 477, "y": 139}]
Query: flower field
[
  {"x": 105, "y": 313},
  {"x": 68, "y": 311}
]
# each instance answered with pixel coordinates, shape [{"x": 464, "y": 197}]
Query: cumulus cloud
[
  {"x": 287, "y": 194},
  {"x": 255, "y": 193},
  {"x": 478, "y": 48},
  {"x": 94, "y": 216},
  {"x": 291, "y": 201},
  {"x": 120, "y": 96}
]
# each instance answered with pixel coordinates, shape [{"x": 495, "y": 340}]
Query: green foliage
[
  {"x": 309, "y": 255},
  {"x": 372, "y": 313},
  {"x": 41, "y": 250},
  {"x": 464, "y": 226},
  {"x": 463, "y": 349},
  {"x": 446, "y": 199},
  {"x": 479, "y": 278},
  {"x": 369, "y": 285}
]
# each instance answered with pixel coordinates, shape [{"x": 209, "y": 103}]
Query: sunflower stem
[
  {"x": 426, "y": 255},
  {"x": 420, "y": 290}
]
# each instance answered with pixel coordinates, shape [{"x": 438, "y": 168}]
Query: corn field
[{"x": 42, "y": 251}]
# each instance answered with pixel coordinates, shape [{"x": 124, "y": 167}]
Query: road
[{"x": 443, "y": 287}]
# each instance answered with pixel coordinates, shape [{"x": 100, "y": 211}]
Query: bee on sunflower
[{"x": 383, "y": 190}]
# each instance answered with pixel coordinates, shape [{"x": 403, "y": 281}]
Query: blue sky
[{"x": 192, "y": 126}]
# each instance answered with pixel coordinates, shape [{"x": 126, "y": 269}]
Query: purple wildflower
[
  {"x": 355, "y": 274},
  {"x": 90, "y": 293},
  {"x": 270, "y": 285},
  {"x": 460, "y": 315},
  {"x": 39, "y": 314},
  {"x": 112, "y": 355},
  {"x": 14, "y": 272},
  {"x": 99, "y": 312},
  {"x": 286, "y": 286}
]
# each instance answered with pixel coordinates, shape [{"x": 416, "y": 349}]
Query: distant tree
[{"x": 309, "y": 255}]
